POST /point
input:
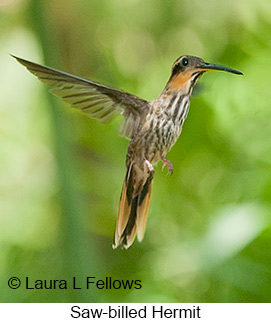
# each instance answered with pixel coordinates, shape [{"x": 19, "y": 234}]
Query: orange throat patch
[{"x": 180, "y": 82}]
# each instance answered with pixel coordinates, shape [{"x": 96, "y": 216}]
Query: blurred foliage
[{"x": 208, "y": 235}]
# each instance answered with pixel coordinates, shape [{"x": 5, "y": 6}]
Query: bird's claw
[{"x": 169, "y": 165}]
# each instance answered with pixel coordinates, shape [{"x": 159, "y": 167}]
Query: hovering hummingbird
[{"x": 151, "y": 126}]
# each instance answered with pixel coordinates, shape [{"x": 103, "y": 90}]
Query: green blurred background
[{"x": 208, "y": 236}]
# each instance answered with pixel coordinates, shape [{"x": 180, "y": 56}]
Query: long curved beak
[{"x": 205, "y": 67}]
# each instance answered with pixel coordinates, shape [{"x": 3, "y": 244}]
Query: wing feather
[{"x": 97, "y": 100}]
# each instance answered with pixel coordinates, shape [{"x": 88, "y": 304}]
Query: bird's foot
[
  {"x": 149, "y": 166},
  {"x": 169, "y": 165}
]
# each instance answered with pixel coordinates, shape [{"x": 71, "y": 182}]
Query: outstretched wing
[{"x": 97, "y": 100}]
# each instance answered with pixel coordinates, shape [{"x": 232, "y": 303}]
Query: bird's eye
[
  {"x": 185, "y": 61},
  {"x": 180, "y": 65}
]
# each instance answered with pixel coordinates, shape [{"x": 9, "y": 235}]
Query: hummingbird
[{"x": 152, "y": 128}]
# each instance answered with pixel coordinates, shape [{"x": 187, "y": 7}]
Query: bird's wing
[{"x": 97, "y": 100}]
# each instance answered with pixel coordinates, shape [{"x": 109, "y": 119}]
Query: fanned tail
[{"x": 133, "y": 211}]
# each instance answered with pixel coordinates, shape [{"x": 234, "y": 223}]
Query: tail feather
[
  {"x": 133, "y": 212},
  {"x": 143, "y": 209},
  {"x": 123, "y": 214}
]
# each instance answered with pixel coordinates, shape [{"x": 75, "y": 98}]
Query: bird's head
[{"x": 187, "y": 70}]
